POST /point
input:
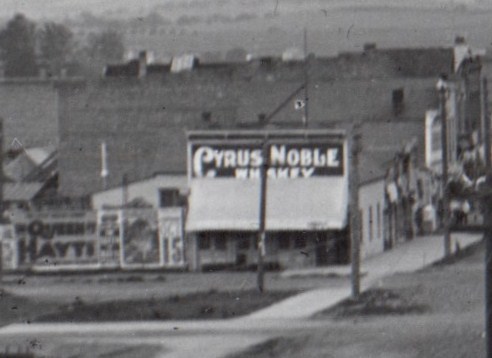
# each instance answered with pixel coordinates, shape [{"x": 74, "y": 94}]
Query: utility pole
[
  {"x": 306, "y": 82},
  {"x": 355, "y": 228},
  {"x": 104, "y": 165},
  {"x": 487, "y": 218},
  {"x": 443, "y": 90},
  {"x": 2, "y": 207},
  {"x": 261, "y": 241}
]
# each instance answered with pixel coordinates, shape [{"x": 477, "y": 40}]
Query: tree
[
  {"x": 56, "y": 45},
  {"x": 17, "y": 47},
  {"x": 106, "y": 46}
]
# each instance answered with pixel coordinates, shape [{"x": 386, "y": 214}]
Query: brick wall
[{"x": 144, "y": 121}]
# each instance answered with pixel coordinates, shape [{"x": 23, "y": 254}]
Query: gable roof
[{"x": 21, "y": 191}]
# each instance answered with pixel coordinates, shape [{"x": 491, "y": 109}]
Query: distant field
[
  {"x": 267, "y": 27},
  {"x": 328, "y": 32}
]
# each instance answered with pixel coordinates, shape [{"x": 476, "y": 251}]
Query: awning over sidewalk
[{"x": 292, "y": 204}]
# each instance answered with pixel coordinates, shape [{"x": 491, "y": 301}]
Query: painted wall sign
[
  {"x": 50, "y": 241},
  {"x": 243, "y": 161}
]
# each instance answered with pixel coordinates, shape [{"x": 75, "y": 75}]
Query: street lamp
[{"x": 442, "y": 88}]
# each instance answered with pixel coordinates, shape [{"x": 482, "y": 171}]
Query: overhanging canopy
[{"x": 318, "y": 203}]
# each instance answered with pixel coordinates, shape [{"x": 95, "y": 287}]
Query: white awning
[{"x": 292, "y": 204}]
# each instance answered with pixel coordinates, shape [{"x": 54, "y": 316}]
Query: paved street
[{"x": 215, "y": 339}]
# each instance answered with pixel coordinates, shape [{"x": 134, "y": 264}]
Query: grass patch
[
  {"x": 375, "y": 302},
  {"x": 14, "y": 309},
  {"x": 207, "y": 305}
]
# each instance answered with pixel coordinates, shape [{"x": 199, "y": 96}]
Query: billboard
[
  {"x": 171, "y": 237},
  {"x": 140, "y": 239},
  {"x": 108, "y": 229},
  {"x": 55, "y": 240},
  {"x": 307, "y": 180},
  {"x": 8, "y": 248},
  {"x": 130, "y": 238},
  {"x": 285, "y": 160}
]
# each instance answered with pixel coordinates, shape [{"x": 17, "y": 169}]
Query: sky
[{"x": 63, "y": 8}]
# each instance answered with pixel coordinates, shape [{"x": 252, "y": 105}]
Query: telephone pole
[
  {"x": 442, "y": 88},
  {"x": 355, "y": 228},
  {"x": 487, "y": 218},
  {"x": 306, "y": 82},
  {"x": 262, "y": 217}
]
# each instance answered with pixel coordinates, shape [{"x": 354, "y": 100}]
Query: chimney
[{"x": 142, "y": 64}]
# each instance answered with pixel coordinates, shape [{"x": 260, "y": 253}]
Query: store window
[
  {"x": 220, "y": 242},
  {"x": 169, "y": 198},
  {"x": 300, "y": 241},
  {"x": 243, "y": 242},
  {"x": 204, "y": 241},
  {"x": 283, "y": 242}
]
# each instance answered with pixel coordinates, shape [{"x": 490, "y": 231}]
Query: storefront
[{"x": 306, "y": 198}]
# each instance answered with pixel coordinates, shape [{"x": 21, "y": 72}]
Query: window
[
  {"x": 300, "y": 241},
  {"x": 371, "y": 231},
  {"x": 378, "y": 219},
  {"x": 204, "y": 242},
  {"x": 207, "y": 117},
  {"x": 397, "y": 100},
  {"x": 361, "y": 221},
  {"x": 169, "y": 198},
  {"x": 243, "y": 242},
  {"x": 283, "y": 242},
  {"x": 221, "y": 242}
]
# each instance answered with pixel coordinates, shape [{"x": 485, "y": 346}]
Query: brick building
[{"x": 141, "y": 111}]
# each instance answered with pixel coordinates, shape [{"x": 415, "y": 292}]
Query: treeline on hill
[{"x": 26, "y": 47}]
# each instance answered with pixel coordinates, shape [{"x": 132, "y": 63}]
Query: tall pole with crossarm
[
  {"x": 262, "y": 217},
  {"x": 487, "y": 218},
  {"x": 442, "y": 88}
]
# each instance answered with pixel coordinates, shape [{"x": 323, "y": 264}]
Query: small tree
[
  {"x": 17, "y": 47},
  {"x": 56, "y": 45}
]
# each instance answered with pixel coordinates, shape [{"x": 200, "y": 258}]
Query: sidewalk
[
  {"x": 409, "y": 256},
  {"x": 214, "y": 339}
]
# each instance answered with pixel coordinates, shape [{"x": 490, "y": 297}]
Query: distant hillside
[{"x": 210, "y": 28}]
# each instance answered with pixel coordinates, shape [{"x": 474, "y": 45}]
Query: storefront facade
[{"x": 306, "y": 198}]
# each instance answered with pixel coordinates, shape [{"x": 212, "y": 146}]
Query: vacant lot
[
  {"x": 437, "y": 312},
  {"x": 143, "y": 296}
]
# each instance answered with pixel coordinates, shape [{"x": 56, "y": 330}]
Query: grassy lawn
[
  {"x": 206, "y": 305},
  {"x": 212, "y": 304},
  {"x": 436, "y": 312}
]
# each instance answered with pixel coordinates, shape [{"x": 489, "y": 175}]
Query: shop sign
[{"x": 243, "y": 161}]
